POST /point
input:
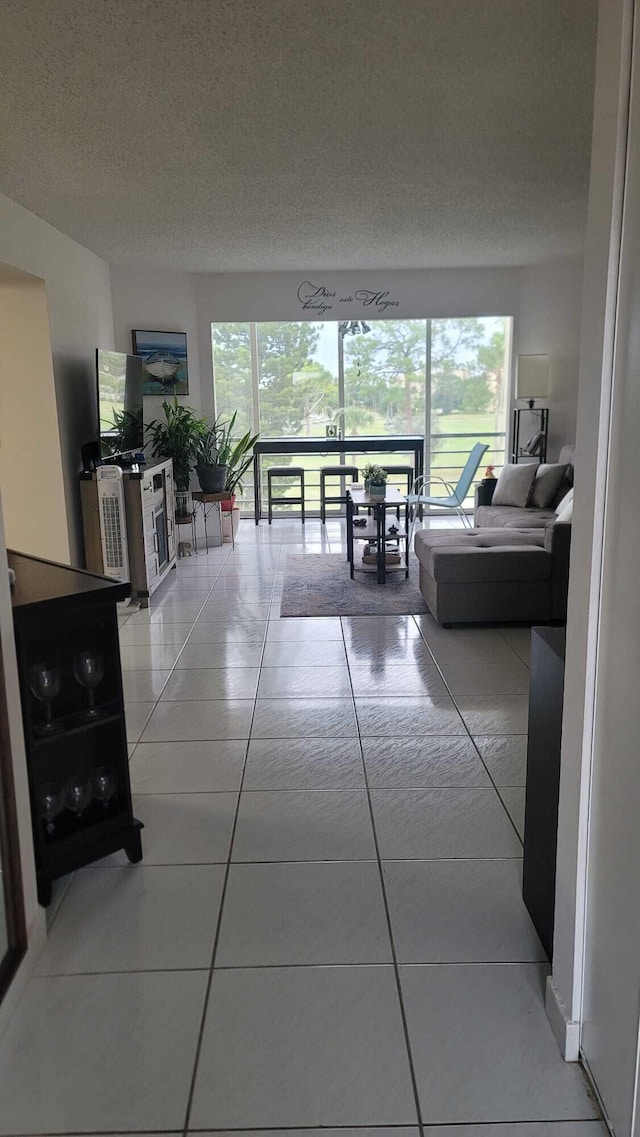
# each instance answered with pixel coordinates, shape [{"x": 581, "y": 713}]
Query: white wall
[
  {"x": 157, "y": 301},
  {"x": 596, "y": 361},
  {"x": 544, "y": 300},
  {"x": 80, "y": 318},
  {"x": 31, "y": 474},
  {"x": 355, "y": 295},
  {"x": 549, "y": 324}
]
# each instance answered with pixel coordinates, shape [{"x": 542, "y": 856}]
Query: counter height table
[{"x": 373, "y": 444}]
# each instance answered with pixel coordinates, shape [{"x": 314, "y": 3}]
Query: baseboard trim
[{"x": 566, "y": 1030}]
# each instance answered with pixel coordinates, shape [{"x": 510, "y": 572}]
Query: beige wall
[
  {"x": 30, "y": 460},
  {"x": 81, "y": 319},
  {"x": 34, "y": 914}
]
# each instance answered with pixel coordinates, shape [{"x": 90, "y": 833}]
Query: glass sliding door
[
  {"x": 232, "y": 373},
  {"x": 385, "y": 378},
  {"x": 297, "y": 378},
  {"x": 297, "y": 366},
  {"x": 444, "y": 379},
  {"x": 469, "y": 392}
]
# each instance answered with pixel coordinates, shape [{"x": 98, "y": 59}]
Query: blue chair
[{"x": 455, "y": 497}]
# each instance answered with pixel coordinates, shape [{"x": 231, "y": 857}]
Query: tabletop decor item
[
  {"x": 377, "y": 481},
  {"x": 45, "y": 680},
  {"x": 50, "y": 803},
  {"x": 77, "y": 793},
  {"x": 164, "y": 361},
  {"x": 88, "y": 668}
]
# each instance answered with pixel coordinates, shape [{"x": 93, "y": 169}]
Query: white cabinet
[
  {"x": 150, "y": 507},
  {"x": 148, "y": 526}
]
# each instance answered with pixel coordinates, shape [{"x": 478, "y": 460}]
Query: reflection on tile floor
[{"x": 333, "y": 817}]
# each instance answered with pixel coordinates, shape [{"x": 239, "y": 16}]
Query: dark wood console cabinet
[
  {"x": 543, "y": 779},
  {"x": 59, "y": 614}
]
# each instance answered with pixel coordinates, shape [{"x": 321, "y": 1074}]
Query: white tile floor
[{"x": 326, "y": 932}]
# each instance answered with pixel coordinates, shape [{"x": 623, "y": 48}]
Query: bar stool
[
  {"x": 403, "y": 472},
  {"x": 285, "y": 472},
  {"x": 334, "y": 472}
]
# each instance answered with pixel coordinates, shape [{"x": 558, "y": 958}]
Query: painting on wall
[{"x": 164, "y": 366}]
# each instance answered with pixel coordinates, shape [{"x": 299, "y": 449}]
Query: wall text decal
[{"x": 319, "y": 299}]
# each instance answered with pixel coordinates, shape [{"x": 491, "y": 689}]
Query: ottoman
[{"x": 492, "y": 575}]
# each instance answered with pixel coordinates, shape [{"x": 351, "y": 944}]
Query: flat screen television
[{"x": 121, "y": 428}]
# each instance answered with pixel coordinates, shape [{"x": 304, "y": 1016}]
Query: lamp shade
[{"x": 532, "y": 377}]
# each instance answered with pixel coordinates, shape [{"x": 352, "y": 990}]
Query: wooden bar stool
[
  {"x": 285, "y": 472},
  {"x": 334, "y": 472},
  {"x": 402, "y": 472}
]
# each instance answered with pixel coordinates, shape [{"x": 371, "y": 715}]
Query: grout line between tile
[
  {"x": 473, "y": 742},
  {"x": 214, "y": 950},
  {"x": 394, "y": 955}
]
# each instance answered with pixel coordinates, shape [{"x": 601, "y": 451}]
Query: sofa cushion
[
  {"x": 547, "y": 484},
  {"x": 564, "y": 511},
  {"x": 508, "y": 517},
  {"x": 490, "y": 565},
  {"x": 483, "y": 556},
  {"x": 514, "y": 484}
]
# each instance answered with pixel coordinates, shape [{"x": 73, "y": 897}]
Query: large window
[{"x": 445, "y": 379}]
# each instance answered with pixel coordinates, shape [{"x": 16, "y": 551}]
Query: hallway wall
[
  {"x": 31, "y": 473},
  {"x": 81, "y": 319}
]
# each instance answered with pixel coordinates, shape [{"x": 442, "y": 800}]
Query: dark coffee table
[{"x": 376, "y": 530}]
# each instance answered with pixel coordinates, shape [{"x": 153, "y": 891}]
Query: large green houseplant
[
  {"x": 177, "y": 436},
  {"x": 236, "y": 455}
]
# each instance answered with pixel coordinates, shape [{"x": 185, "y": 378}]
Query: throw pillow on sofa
[
  {"x": 564, "y": 511},
  {"x": 547, "y": 484},
  {"x": 514, "y": 484}
]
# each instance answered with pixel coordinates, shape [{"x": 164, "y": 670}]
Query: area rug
[{"x": 320, "y": 585}]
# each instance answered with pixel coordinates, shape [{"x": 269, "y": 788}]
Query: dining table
[{"x": 357, "y": 444}]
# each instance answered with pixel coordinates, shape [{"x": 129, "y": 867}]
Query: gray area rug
[{"x": 318, "y": 584}]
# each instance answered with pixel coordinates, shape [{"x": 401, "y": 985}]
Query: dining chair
[{"x": 455, "y": 496}]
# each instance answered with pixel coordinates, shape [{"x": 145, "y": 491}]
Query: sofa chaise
[{"x": 513, "y": 567}]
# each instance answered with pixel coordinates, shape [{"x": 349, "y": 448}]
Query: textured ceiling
[{"x": 239, "y": 135}]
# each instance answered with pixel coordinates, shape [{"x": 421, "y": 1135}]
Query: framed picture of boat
[{"x": 164, "y": 361}]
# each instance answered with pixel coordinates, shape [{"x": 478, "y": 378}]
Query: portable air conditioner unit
[{"x": 113, "y": 522}]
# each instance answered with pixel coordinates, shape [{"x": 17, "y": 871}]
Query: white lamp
[{"x": 532, "y": 378}]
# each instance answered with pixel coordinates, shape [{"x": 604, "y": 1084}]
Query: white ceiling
[{"x": 240, "y": 135}]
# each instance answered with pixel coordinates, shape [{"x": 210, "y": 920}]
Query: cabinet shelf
[{"x": 74, "y": 724}]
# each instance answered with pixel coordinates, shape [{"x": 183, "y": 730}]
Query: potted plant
[
  {"x": 377, "y": 486},
  {"x": 212, "y": 474},
  {"x": 236, "y": 455},
  {"x": 177, "y": 436},
  {"x": 126, "y": 431}
]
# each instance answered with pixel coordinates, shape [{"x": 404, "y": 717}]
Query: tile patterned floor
[{"x": 326, "y": 932}]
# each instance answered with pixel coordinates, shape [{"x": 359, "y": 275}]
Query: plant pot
[
  {"x": 227, "y": 506},
  {"x": 230, "y": 518},
  {"x": 212, "y": 478},
  {"x": 377, "y": 489}
]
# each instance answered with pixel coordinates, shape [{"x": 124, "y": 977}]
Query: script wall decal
[{"x": 319, "y": 299}]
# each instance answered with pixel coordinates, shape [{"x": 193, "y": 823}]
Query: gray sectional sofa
[{"x": 513, "y": 567}]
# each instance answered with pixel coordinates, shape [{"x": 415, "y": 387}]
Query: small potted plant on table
[{"x": 377, "y": 481}]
